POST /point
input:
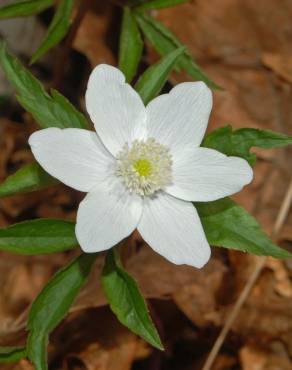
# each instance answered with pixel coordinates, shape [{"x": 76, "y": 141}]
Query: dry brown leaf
[
  {"x": 283, "y": 283},
  {"x": 280, "y": 64},
  {"x": 232, "y": 32},
  {"x": 265, "y": 312},
  {"x": 91, "y": 38},
  {"x": 231, "y": 40},
  {"x": 158, "y": 278},
  {"x": 224, "y": 362},
  {"x": 263, "y": 197},
  {"x": 21, "y": 279},
  {"x": 228, "y": 38},
  {"x": 21, "y": 365},
  {"x": 111, "y": 346},
  {"x": 253, "y": 358},
  {"x": 198, "y": 300}
]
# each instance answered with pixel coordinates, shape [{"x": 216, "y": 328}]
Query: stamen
[{"x": 145, "y": 166}]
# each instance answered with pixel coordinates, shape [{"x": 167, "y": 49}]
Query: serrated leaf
[
  {"x": 126, "y": 301},
  {"x": 239, "y": 142},
  {"x": 52, "y": 304},
  {"x": 48, "y": 111},
  {"x": 24, "y": 8},
  {"x": 164, "y": 42},
  {"x": 28, "y": 178},
  {"x": 12, "y": 354},
  {"x": 57, "y": 29},
  {"x": 159, "y": 4},
  {"x": 131, "y": 45},
  {"x": 228, "y": 225},
  {"x": 66, "y": 112},
  {"x": 41, "y": 236},
  {"x": 153, "y": 79}
]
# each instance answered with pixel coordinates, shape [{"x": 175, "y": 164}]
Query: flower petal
[
  {"x": 173, "y": 229},
  {"x": 203, "y": 175},
  {"x": 116, "y": 109},
  {"x": 106, "y": 216},
  {"x": 74, "y": 156},
  {"x": 180, "y": 118}
]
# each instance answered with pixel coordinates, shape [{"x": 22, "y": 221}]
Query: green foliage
[
  {"x": 12, "y": 354},
  {"x": 165, "y": 42},
  {"x": 228, "y": 225},
  {"x": 159, "y": 4},
  {"x": 28, "y": 178},
  {"x": 39, "y": 236},
  {"x": 48, "y": 110},
  {"x": 239, "y": 142},
  {"x": 57, "y": 29},
  {"x": 153, "y": 79},
  {"x": 52, "y": 304},
  {"x": 131, "y": 45},
  {"x": 37, "y": 349},
  {"x": 24, "y": 8},
  {"x": 126, "y": 300}
]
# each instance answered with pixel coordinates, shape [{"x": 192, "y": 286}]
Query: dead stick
[{"x": 283, "y": 212}]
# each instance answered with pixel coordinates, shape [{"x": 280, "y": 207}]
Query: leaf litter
[{"x": 237, "y": 45}]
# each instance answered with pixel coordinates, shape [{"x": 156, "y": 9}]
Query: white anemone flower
[{"x": 142, "y": 167}]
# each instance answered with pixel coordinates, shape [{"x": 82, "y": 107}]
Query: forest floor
[{"x": 245, "y": 46}]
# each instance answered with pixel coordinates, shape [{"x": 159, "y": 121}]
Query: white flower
[{"x": 142, "y": 167}]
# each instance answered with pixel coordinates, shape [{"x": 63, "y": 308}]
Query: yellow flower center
[{"x": 143, "y": 167}]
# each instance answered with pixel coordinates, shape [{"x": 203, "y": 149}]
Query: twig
[{"x": 283, "y": 212}]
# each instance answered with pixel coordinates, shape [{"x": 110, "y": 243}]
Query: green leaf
[
  {"x": 37, "y": 345},
  {"x": 153, "y": 79},
  {"x": 24, "y": 8},
  {"x": 39, "y": 236},
  {"x": 57, "y": 29},
  {"x": 159, "y": 4},
  {"x": 165, "y": 42},
  {"x": 126, "y": 301},
  {"x": 239, "y": 142},
  {"x": 28, "y": 178},
  {"x": 228, "y": 225},
  {"x": 48, "y": 111},
  {"x": 12, "y": 354},
  {"x": 66, "y": 112},
  {"x": 52, "y": 304},
  {"x": 131, "y": 45}
]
